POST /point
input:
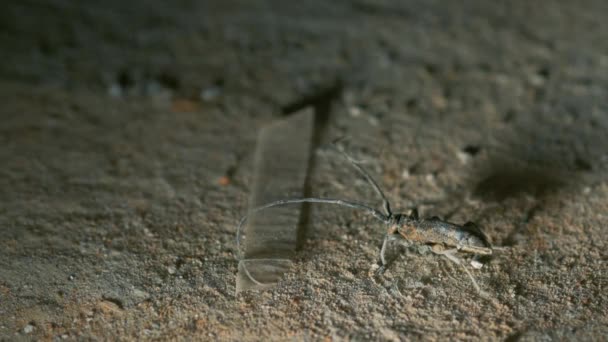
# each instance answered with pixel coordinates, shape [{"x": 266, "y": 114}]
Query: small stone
[
  {"x": 153, "y": 88},
  {"x": 184, "y": 105},
  {"x": 354, "y": 111},
  {"x": 536, "y": 80},
  {"x": 439, "y": 101},
  {"x": 224, "y": 180},
  {"x": 463, "y": 157},
  {"x": 28, "y": 329},
  {"x": 108, "y": 307},
  {"x": 147, "y": 232},
  {"x": 141, "y": 295},
  {"x": 211, "y": 93},
  {"x": 171, "y": 270},
  {"x": 115, "y": 90},
  {"x": 373, "y": 121},
  {"x": 476, "y": 264}
]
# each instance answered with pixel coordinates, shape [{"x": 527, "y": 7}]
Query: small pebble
[
  {"x": 171, "y": 270},
  {"x": 476, "y": 264},
  {"x": 439, "y": 101},
  {"x": 210, "y": 94},
  {"x": 463, "y": 157},
  {"x": 536, "y": 80},
  {"x": 28, "y": 329},
  {"x": 115, "y": 90},
  {"x": 373, "y": 121},
  {"x": 140, "y": 294},
  {"x": 354, "y": 111},
  {"x": 184, "y": 106}
]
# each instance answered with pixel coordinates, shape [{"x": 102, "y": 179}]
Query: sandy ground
[{"x": 127, "y": 139}]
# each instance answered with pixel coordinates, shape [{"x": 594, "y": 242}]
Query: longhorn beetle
[{"x": 444, "y": 237}]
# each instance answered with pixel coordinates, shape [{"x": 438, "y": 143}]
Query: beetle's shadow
[
  {"x": 501, "y": 183},
  {"x": 531, "y": 168},
  {"x": 501, "y": 180}
]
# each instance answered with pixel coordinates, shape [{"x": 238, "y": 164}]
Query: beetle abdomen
[{"x": 467, "y": 238}]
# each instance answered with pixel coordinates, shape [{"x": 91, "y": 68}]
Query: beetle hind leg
[{"x": 451, "y": 255}]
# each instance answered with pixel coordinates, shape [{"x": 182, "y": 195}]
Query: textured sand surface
[{"x": 126, "y": 152}]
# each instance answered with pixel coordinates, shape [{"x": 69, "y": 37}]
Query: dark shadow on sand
[{"x": 322, "y": 101}]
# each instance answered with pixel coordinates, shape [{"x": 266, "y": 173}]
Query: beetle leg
[
  {"x": 383, "y": 250},
  {"x": 450, "y": 254},
  {"x": 389, "y": 236}
]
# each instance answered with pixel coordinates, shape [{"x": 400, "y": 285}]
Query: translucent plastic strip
[{"x": 280, "y": 170}]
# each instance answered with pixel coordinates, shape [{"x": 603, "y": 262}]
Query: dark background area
[{"x": 126, "y": 145}]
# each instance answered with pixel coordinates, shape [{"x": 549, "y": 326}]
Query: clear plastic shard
[{"x": 281, "y": 167}]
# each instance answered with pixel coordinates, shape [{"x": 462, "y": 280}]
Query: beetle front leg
[{"x": 389, "y": 235}]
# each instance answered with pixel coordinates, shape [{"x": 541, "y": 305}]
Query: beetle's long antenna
[
  {"x": 375, "y": 213},
  {"x": 385, "y": 203}
]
